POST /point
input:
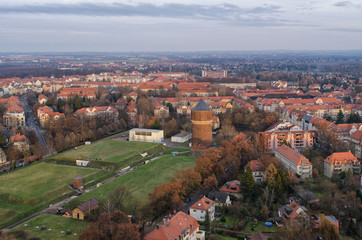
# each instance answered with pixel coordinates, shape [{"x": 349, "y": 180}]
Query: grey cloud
[
  {"x": 343, "y": 4},
  {"x": 222, "y": 12}
]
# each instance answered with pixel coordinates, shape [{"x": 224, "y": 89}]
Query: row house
[
  {"x": 180, "y": 226},
  {"x": 341, "y": 162},
  {"x": 66, "y": 93},
  {"x": 107, "y": 113},
  {"x": 286, "y": 133},
  {"x": 184, "y": 110},
  {"x": 46, "y": 114},
  {"x": 294, "y": 161}
]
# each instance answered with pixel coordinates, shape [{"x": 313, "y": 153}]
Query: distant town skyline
[{"x": 125, "y": 26}]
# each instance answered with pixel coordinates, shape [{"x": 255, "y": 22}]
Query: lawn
[
  {"x": 56, "y": 223},
  {"x": 259, "y": 227},
  {"x": 30, "y": 189},
  {"x": 229, "y": 221},
  {"x": 112, "y": 150},
  {"x": 143, "y": 180}
]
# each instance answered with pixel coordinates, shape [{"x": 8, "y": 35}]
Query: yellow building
[{"x": 84, "y": 209}]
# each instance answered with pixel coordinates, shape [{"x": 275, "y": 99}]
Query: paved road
[{"x": 33, "y": 125}]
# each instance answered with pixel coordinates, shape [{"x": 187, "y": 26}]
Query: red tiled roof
[
  {"x": 341, "y": 158},
  {"x": 292, "y": 155},
  {"x": 357, "y": 135},
  {"x": 203, "y": 204},
  {"x": 18, "y": 138},
  {"x": 174, "y": 227},
  {"x": 256, "y": 166},
  {"x": 232, "y": 187}
]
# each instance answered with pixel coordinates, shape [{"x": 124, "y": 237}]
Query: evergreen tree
[
  {"x": 340, "y": 117},
  {"x": 207, "y": 221},
  {"x": 247, "y": 181},
  {"x": 354, "y": 118},
  {"x": 156, "y": 124}
]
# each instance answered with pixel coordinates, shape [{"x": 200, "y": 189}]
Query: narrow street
[{"x": 32, "y": 124}]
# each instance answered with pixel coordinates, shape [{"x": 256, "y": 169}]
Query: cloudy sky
[{"x": 179, "y": 25}]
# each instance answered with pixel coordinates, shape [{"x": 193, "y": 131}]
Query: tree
[
  {"x": 328, "y": 230},
  {"x": 340, "y": 117},
  {"x": 210, "y": 183},
  {"x": 354, "y": 117},
  {"x": 171, "y": 128},
  {"x": 92, "y": 235},
  {"x": 156, "y": 124},
  {"x": 265, "y": 212},
  {"x": 207, "y": 222},
  {"x": 247, "y": 181},
  {"x": 2, "y": 140},
  {"x": 118, "y": 197}
]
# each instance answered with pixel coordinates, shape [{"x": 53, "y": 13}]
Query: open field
[
  {"x": 30, "y": 189},
  {"x": 111, "y": 150},
  {"x": 143, "y": 180},
  {"x": 56, "y": 224}
]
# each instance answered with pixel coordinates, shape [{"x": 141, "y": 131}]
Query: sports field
[
  {"x": 112, "y": 150},
  {"x": 58, "y": 225},
  {"x": 143, "y": 180},
  {"x": 32, "y": 188}
]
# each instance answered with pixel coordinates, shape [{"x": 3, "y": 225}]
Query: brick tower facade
[{"x": 201, "y": 116}]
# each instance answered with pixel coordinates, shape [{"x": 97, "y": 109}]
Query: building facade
[
  {"x": 146, "y": 135},
  {"x": 341, "y": 162},
  {"x": 294, "y": 161},
  {"x": 198, "y": 210}
]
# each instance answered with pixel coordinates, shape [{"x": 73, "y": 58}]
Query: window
[{"x": 194, "y": 210}]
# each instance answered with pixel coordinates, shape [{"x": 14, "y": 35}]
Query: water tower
[{"x": 201, "y": 117}]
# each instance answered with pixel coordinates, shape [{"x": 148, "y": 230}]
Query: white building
[
  {"x": 146, "y": 135},
  {"x": 294, "y": 161},
  {"x": 181, "y": 137},
  {"x": 198, "y": 209}
]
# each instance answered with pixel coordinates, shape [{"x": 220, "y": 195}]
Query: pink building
[{"x": 285, "y": 132}]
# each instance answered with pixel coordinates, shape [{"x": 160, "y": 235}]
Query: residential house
[
  {"x": 355, "y": 143},
  {"x": 232, "y": 188},
  {"x": 84, "y": 209},
  {"x": 42, "y": 99},
  {"x": 198, "y": 210},
  {"x": 258, "y": 170},
  {"x": 294, "y": 161},
  {"x": 220, "y": 198},
  {"x": 161, "y": 111},
  {"x": 20, "y": 142},
  {"x": 293, "y": 212},
  {"x": 316, "y": 221},
  {"x": 107, "y": 113},
  {"x": 14, "y": 116},
  {"x": 339, "y": 162},
  {"x": 184, "y": 110},
  {"x": 45, "y": 114},
  {"x": 179, "y": 226}
]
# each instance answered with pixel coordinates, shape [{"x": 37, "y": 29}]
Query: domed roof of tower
[{"x": 201, "y": 106}]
